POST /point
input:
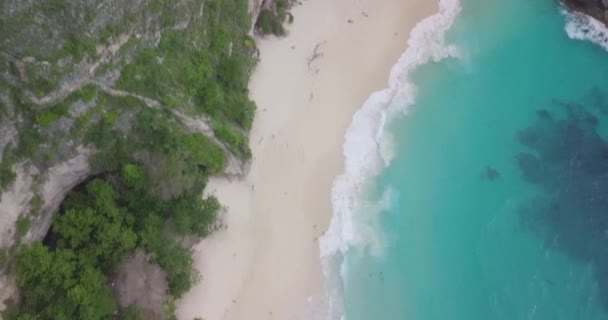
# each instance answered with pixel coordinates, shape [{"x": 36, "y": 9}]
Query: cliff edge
[{"x": 96, "y": 89}]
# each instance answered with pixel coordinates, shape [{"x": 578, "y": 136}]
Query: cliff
[{"x": 77, "y": 78}]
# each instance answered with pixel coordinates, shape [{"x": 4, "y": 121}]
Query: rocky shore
[{"x": 597, "y": 9}]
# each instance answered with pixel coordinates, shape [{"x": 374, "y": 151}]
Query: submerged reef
[{"x": 566, "y": 157}]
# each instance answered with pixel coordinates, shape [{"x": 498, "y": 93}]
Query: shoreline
[
  {"x": 596, "y": 11},
  {"x": 308, "y": 85}
]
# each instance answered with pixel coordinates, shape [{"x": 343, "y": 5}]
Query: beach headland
[{"x": 307, "y": 86}]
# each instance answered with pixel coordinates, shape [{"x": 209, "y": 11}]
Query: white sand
[{"x": 266, "y": 264}]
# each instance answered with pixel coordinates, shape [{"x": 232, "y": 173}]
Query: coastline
[
  {"x": 308, "y": 85},
  {"x": 585, "y": 27},
  {"x": 593, "y": 10}
]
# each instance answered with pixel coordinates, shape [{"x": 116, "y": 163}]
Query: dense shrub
[
  {"x": 173, "y": 258},
  {"x": 270, "y": 23},
  {"x": 67, "y": 281},
  {"x": 193, "y": 215},
  {"x": 153, "y": 170},
  {"x": 23, "y": 226},
  {"x": 7, "y": 177},
  {"x": 271, "y": 20},
  {"x": 201, "y": 72},
  {"x": 237, "y": 141}
]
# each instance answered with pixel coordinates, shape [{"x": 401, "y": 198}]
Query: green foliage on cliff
[
  {"x": 270, "y": 23},
  {"x": 67, "y": 281},
  {"x": 194, "y": 215},
  {"x": 77, "y": 47},
  {"x": 176, "y": 261},
  {"x": 7, "y": 176},
  {"x": 49, "y": 115},
  {"x": 271, "y": 20},
  {"x": 98, "y": 228},
  {"x": 178, "y": 147},
  {"x": 132, "y": 313},
  {"x": 56, "y": 285},
  {"x": 236, "y": 140},
  {"x": 133, "y": 176},
  {"x": 170, "y": 161},
  {"x": 194, "y": 59},
  {"x": 200, "y": 72},
  {"x": 23, "y": 226}
]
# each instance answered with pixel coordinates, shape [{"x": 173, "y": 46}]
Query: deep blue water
[{"x": 499, "y": 188}]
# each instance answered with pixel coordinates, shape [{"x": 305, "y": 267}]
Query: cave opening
[{"x": 50, "y": 239}]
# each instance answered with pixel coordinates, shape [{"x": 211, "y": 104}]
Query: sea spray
[
  {"x": 363, "y": 137},
  {"x": 580, "y": 26},
  {"x": 465, "y": 244},
  {"x": 367, "y": 151}
]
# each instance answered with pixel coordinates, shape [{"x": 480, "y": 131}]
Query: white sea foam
[
  {"x": 368, "y": 150},
  {"x": 364, "y": 137},
  {"x": 583, "y": 27}
]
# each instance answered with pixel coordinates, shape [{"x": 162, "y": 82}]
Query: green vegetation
[
  {"x": 95, "y": 227},
  {"x": 236, "y": 140},
  {"x": 43, "y": 79},
  {"x": 28, "y": 142},
  {"x": 78, "y": 47},
  {"x": 99, "y": 226},
  {"x": 271, "y": 20},
  {"x": 35, "y": 204},
  {"x": 57, "y": 285},
  {"x": 23, "y": 226},
  {"x": 194, "y": 215},
  {"x": 67, "y": 280},
  {"x": 176, "y": 261},
  {"x": 201, "y": 72},
  {"x": 7, "y": 174},
  {"x": 45, "y": 117},
  {"x": 4, "y": 258},
  {"x": 48, "y": 116},
  {"x": 132, "y": 313},
  {"x": 154, "y": 179},
  {"x": 175, "y": 162},
  {"x": 88, "y": 93},
  {"x": 7, "y": 177},
  {"x": 133, "y": 176},
  {"x": 270, "y": 23},
  {"x": 169, "y": 309},
  {"x": 152, "y": 170}
]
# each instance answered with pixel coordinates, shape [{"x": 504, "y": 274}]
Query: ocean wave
[
  {"x": 580, "y": 26},
  {"x": 364, "y": 138},
  {"x": 368, "y": 150}
]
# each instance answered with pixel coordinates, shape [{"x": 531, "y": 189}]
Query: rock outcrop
[
  {"x": 141, "y": 283},
  {"x": 597, "y": 9},
  {"x": 50, "y": 54},
  {"x": 16, "y": 203}
]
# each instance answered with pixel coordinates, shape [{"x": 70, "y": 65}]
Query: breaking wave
[{"x": 368, "y": 149}]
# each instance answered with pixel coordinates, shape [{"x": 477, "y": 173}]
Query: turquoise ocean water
[{"x": 495, "y": 202}]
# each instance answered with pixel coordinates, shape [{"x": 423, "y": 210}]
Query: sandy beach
[{"x": 307, "y": 86}]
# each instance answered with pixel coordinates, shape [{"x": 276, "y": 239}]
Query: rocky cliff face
[
  {"x": 597, "y": 9},
  {"x": 61, "y": 63},
  {"x": 255, "y": 6}
]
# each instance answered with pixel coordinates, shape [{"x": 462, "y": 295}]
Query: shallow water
[{"x": 495, "y": 205}]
